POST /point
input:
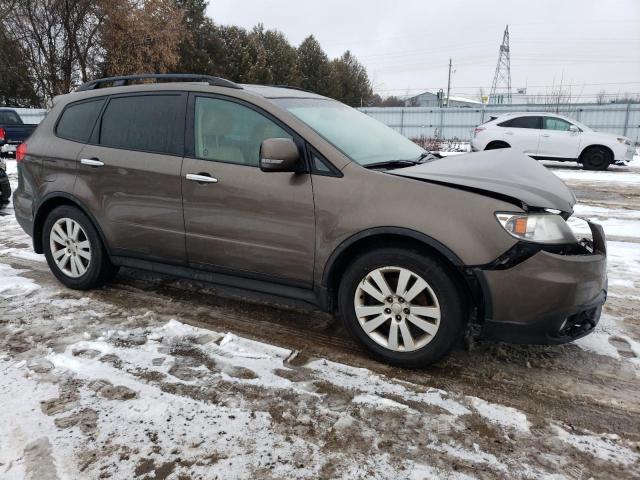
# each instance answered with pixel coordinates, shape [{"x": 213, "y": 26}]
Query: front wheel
[
  {"x": 596, "y": 158},
  {"x": 403, "y": 306},
  {"x": 74, "y": 251}
]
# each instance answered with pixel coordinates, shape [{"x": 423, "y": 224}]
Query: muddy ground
[{"x": 154, "y": 377}]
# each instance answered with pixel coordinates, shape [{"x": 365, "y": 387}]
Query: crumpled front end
[{"x": 545, "y": 295}]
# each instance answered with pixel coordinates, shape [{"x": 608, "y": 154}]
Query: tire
[
  {"x": 596, "y": 158},
  {"x": 5, "y": 188},
  {"x": 442, "y": 292},
  {"x": 59, "y": 225},
  {"x": 497, "y": 145}
]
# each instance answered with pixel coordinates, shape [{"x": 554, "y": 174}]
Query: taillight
[
  {"x": 3, "y": 134},
  {"x": 477, "y": 130},
  {"x": 21, "y": 152}
]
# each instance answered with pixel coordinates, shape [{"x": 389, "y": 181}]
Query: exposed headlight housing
[{"x": 537, "y": 227}]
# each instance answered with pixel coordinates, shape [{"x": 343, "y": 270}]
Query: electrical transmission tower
[{"x": 501, "y": 86}]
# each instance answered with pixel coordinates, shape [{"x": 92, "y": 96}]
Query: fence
[{"x": 458, "y": 122}]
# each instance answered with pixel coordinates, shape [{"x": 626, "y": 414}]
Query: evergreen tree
[
  {"x": 236, "y": 59},
  {"x": 349, "y": 81},
  {"x": 314, "y": 67},
  {"x": 200, "y": 49},
  {"x": 275, "y": 56}
]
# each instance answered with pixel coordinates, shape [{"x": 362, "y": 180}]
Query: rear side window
[
  {"x": 148, "y": 123},
  {"x": 522, "y": 122},
  {"x": 77, "y": 120},
  {"x": 8, "y": 117}
]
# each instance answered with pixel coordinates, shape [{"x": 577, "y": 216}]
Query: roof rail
[
  {"x": 291, "y": 87},
  {"x": 167, "y": 77}
]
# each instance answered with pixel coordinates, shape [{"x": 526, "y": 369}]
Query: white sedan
[{"x": 549, "y": 136}]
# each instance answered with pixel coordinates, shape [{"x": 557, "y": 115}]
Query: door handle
[
  {"x": 546, "y": 135},
  {"x": 201, "y": 178},
  {"x": 92, "y": 162}
]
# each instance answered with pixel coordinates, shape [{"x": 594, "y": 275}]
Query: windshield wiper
[{"x": 392, "y": 164}]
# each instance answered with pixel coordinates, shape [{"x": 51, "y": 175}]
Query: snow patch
[
  {"x": 603, "y": 446},
  {"x": 13, "y": 285},
  {"x": 501, "y": 415}
]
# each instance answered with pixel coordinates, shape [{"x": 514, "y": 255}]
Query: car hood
[{"x": 503, "y": 172}]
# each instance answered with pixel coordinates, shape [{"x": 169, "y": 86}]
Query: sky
[{"x": 587, "y": 45}]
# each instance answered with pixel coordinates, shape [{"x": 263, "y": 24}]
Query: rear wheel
[
  {"x": 596, "y": 158},
  {"x": 74, "y": 251},
  {"x": 404, "y": 307},
  {"x": 496, "y": 145}
]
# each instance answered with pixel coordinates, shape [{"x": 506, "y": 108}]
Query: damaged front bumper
[{"x": 545, "y": 297}]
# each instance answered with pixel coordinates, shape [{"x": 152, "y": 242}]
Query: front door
[
  {"x": 556, "y": 140},
  {"x": 129, "y": 175},
  {"x": 239, "y": 219}
]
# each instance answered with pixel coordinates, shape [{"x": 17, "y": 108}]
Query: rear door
[
  {"x": 556, "y": 140},
  {"x": 243, "y": 220},
  {"x": 129, "y": 175},
  {"x": 522, "y": 133}
]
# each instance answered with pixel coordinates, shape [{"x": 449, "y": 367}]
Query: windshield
[
  {"x": 581, "y": 126},
  {"x": 357, "y": 135}
]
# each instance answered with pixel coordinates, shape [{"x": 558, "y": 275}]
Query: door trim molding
[{"x": 244, "y": 281}]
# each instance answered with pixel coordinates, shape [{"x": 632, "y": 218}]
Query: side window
[
  {"x": 77, "y": 120},
  {"x": 522, "y": 122},
  {"x": 319, "y": 166},
  {"x": 553, "y": 123},
  {"x": 150, "y": 123},
  {"x": 7, "y": 117},
  {"x": 229, "y": 132}
]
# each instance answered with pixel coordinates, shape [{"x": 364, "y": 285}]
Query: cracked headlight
[{"x": 537, "y": 227}]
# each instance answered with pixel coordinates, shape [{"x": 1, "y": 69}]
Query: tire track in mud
[{"x": 562, "y": 383}]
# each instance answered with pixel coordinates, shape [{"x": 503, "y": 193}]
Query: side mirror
[
  {"x": 279, "y": 155},
  {"x": 574, "y": 129}
]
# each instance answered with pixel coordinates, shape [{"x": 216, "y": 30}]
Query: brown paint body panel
[
  {"x": 365, "y": 199},
  {"x": 136, "y": 198},
  {"x": 284, "y": 227},
  {"x": 544, "y": 284},
  {"x": 250, "y": 220}
]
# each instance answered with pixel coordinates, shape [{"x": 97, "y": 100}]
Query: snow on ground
[
  {"x": 612, "y": 175},
  {"x": 96, "y": 385}
]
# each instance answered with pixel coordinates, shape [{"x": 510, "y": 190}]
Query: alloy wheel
[
  {"x": 397, "y": 308},
  {"x": 70, "y": 247}
]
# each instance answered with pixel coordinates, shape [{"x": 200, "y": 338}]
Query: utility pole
[
  {"x": 449, "y": 84},
  {"x": 502, "y": 77}
]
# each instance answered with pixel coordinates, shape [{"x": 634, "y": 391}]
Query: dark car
[
  {"x": 13, "y": 131},
  {"x": 283, "y": 191}
]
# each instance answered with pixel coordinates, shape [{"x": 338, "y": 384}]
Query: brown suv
[{"x": 283, "y": 191}]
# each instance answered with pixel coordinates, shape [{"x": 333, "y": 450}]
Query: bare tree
[
  {"x": 5, "y": 7},
  {"x": 601, "y": 97},
  {"x": 57, "y": 39}
]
